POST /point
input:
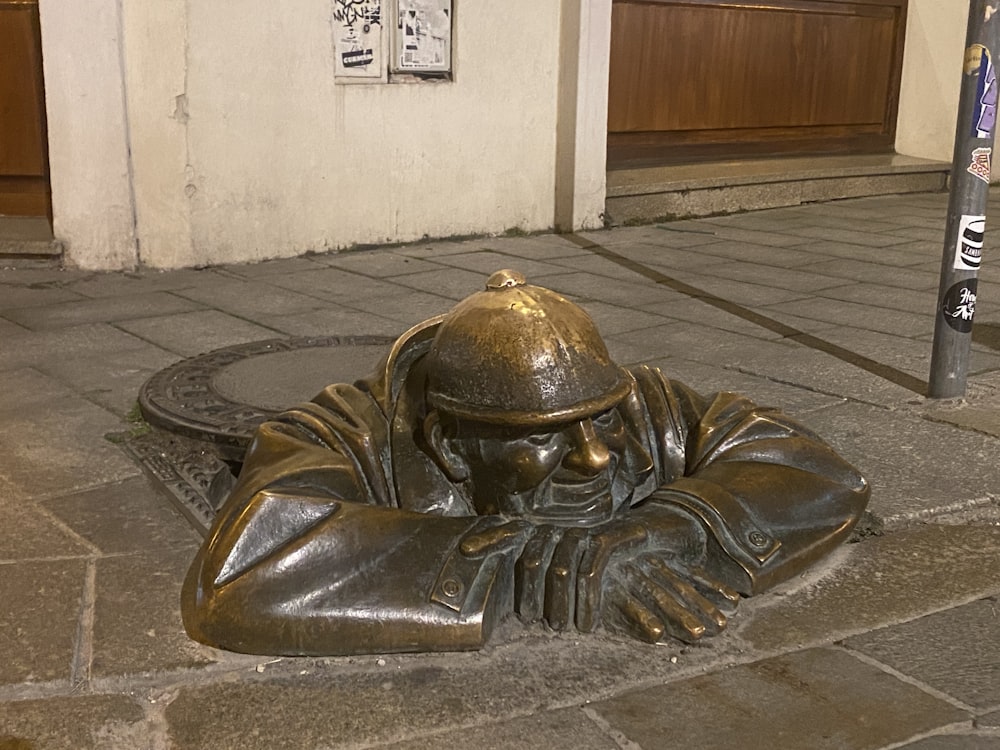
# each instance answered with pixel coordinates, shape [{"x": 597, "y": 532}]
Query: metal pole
[{"x": 970, "y": 182}]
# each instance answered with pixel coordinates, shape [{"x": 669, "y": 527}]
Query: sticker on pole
[
  {"x": 979, "y": 63},
  {"x": 959, "y": 306},
  {"x": 969, "y": 248},
  {"x": 980, "y": 166}
]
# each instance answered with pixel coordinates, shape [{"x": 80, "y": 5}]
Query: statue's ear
[{"x": 451, "y": 462}]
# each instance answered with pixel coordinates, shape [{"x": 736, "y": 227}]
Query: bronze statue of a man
[{"x": 499, "y": 463}]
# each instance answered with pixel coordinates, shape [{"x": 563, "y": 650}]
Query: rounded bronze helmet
[{"x": 518, "y": 354}]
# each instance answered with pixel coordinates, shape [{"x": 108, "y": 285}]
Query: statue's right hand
[{"x": 510, "y": 535}]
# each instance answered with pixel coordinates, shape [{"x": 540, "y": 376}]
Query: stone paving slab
[
  {"x": 39, "y": 535},
  {"x": 110, "y": 380},
  {"x": 873, "y": 584},
  {"x": 453, "y": 284},
  {"x": 30, "y": 349},
  {"x": 94, "y": 722},
  {"x": 245, "y": 298},
  {"x": 569, "y": 729},
  {"x": 815, "y": 699},
  {"x": 381, "y": 264},
  {"x": 952, "y": 651},
  {"x": 137, "y": 621},
  {"x": 143, "y": 281},
  {"x": 955, "y": 742},
  {"x": 13, "y": 297},
  {"x": 485, "y": 262},
  {"x": 193, "y": 333},
  {"x": 332, "y": 320},
  {"x": 38, "y": 619},
  {"x": 104, "y": 310},
  {"x": 57, "y": 448},
  {"x": 706, "y": 379},
  {"x": 123, "y": 518},
  {"x": 915, "y": 467}
]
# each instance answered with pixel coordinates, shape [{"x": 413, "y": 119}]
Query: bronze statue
[{"x": 500, "y": 463}]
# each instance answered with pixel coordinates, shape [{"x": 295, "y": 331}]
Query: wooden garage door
[
  {"x": 697, "y": 79},
  {"x": 24, "y": 184}
]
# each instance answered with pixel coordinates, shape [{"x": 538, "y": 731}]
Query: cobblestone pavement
[{"x": 825, "y": 310}]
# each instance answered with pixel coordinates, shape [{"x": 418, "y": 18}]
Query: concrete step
[
  {"x": 27, "y": 242},
  {"x": 650, "y": 194}
]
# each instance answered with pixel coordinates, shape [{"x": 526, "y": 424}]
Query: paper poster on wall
[
  {"x": 423, "y": 36},
  {"x": 357, "y": 39}
]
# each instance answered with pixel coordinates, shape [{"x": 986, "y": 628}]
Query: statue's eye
[
  {"x": 606, "y": 419},
  {"x": 539, "y": 438}
]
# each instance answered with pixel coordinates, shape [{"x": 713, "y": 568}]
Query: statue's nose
[{"x": 588, "y": 454}]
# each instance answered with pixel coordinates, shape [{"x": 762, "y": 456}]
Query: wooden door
[
  {"x": 24, "y": 181},
  {"x": 697, "y": 79}
]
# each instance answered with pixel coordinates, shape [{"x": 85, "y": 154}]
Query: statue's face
[{"x": 565, "y": 475}]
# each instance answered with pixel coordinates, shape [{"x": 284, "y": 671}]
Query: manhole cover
[{"x": 220, "y": 397}]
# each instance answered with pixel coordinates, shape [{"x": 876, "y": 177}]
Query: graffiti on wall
[{"x": 357, "y": 38}]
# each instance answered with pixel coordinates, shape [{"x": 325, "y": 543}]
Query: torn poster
[
  {"x": 423, "y": 36},
  {"x": 357, "y": 39}
]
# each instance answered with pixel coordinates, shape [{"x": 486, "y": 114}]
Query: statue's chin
[{"x": 588, "y": 504}]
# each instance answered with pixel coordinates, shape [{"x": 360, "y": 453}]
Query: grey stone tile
[
  {"x": 57, "y": 448},
  {"x": 38, "y": 619},
  {"x": 612, "y": 319},
  {"x": 569, "y": 729},
  {"x": 105, "y": 310},
  {"x": 124, "y": 517},
  {"x": 444, "y": 281},
  {"x": 989, "y": 721},
  {"x": 333, "y": 320},
  {"x": 27, "y": 349},
  {"x": 703, "y": 314},
  {"x": 539, "y": 247},
  {"x": 788, "y": 279},
  {"x": 678, "y": 234},
  {"x": 486, "y": 261},
  {"x": 780, "y": 360},
  {"x": 777, "y": 257},
  {"x": 813, "y": 699},
  {"x": 277, "y": 266},
  {"x": 670, "y": 255},
  {"x": 28, "y": 387},
  {"x": 739, "y": 292},
  {"x": 945, "y": 650},
  {"x": 878, "y": 582},
  {"x": 709, "y": 379},
  {"x": 955, "y": 742},
  {"x": 437, "y": 248},
  {"x": 352, "y": 702},
  {"x": 15, "y": 296},
  {"x": 137, "y": 621},
  {"x": 635, "y": 293},
  {"x": 605, "y": 267},
  {"x": 143, "y": 282},
  {"x": 856, "y": 315},
  {"x": 193, "y": 333},
  {"x": 901, "y": 352},
  {"x": 247, "y": 299},
  {"x": 379, "y": 263},
  {"x": 850, "y": 236},
  {"x": 917, "y": 277},
  {"x": 755, "y": 236},
  {"x": 879, "y": 298},
  {"x": 336, "y": 285},
  {"x": 407, "y": 307},
  {"x": 30, "y": 534},
  {"x": 110, "y": 380},
  {"x": 97, "y": 722},
  {"x": 915, "y": 467}
]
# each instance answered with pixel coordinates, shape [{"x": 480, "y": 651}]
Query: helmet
[{"x": 522, "y": 355}]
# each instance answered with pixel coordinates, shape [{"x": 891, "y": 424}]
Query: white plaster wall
[
  {"x": 156, "y": 75},
  {"x": 932, "y": 73},
  {"x": 278, "y": 160},
  {"x": 92, "y": 203}
]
